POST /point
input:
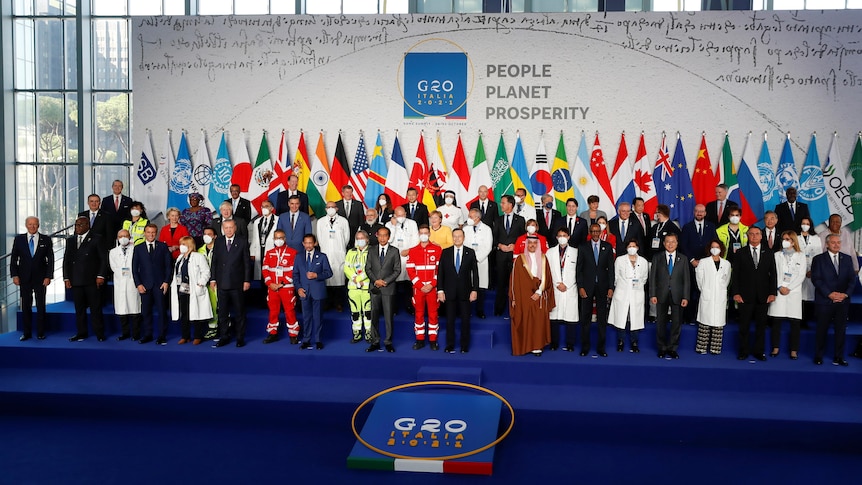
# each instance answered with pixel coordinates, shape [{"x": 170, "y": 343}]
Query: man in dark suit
[
  {"x": 594, "y": 275},
  {"x": 771, "y": 234},
  {"x": 576, "y": 225},
  {"x": 371, "y": 226},
  {"x": 100, "y": 221},
  {"x": 152, "y": 270},
  {"x": 230, "y": 276},
  {"x": 717, "y": 210},
  {"x": 834, "y": 280},
  {"x": 84, "y": 266},
  {"x": 295, "y": 224},
  {"x": 696, "y": 236},
  {"x": 753, "y": 284},
  {"x": 669, "y": 287},
  {"x": 507, "y": 229},
  {"x": 625, "y": 228},
  {"x": 457, "y": 286},
  {"x": 31, "y": 265},
  {"x": 350, "y": 209},
  {"x": 383, "y": 267},
  {"x": 548, "y": 219},
  {"x": 640, "y": 216},
  {"x": 791, "y": 212},
  {"x": 416, "y": 210},
  {"x": 117, "y": 206},
  {"x": 486, "y": 206},
  {"x": 660, "y": 230},
  {"x": 282, "y": 204},
  {"x": 241, "y": 206},
  {"x": 311, "y": 269},
  {"x": 226, "y": 214}
]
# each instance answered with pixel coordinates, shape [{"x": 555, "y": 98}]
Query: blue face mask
[{"x": 549, "y": 205}]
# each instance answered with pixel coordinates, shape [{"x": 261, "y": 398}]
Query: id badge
[
  {"x": 636, "y": 283},
  {"x": 331, "y": 233},
  {"x": 126, "y": 272},
  {"x": 736, "y": 247},
  {"x": 787, "y": 277},
  {"x": 655, "y": 242},
  {"x": 279, "y": 272}
]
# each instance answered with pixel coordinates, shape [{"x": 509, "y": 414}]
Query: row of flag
[{"x": 835, "y": 186}]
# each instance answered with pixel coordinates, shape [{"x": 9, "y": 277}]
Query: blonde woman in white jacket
[
  {"x": 791, "y": 268},
  {"x": 190, "y": 301}
]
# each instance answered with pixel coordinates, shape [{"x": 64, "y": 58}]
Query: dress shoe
[
  {"x": 183, "y": 341},
  {"x": 760, "y": 357},
  {"x": 481, "y": 315},
  {"x": 553, "y": 347},
  {"x": 197, "y": 341},
  {"x": 373, "y": 348},
  {"x": 449, "y": 350},
  {"x": 240, "y": 343},
  {"x": 418, "y": 344},
  {"x": 635, "y": 348},
  {"x": 661, "y": 354},
  {"x": 294, "y": 340},
  {"x": 145, "y": 340},
  {"x": 774, "y": 353},
  {"x": 464, "y": 350},
  {"x": 101, "y": 338},
  {"x": 536, "y": 353},
  {"x": 435, "y": 346},
  {"x": 390, "y": 348},
  {"x": 620, "y": 346},
  {"x": 841, "y": 362},
  {"x": 673, "y": 355},
  {"x": 584, "y": 353},
  {"x": 41, "y": 336},
  {"x": 77, "y": 338},
  {"x": 221, "y": 342},
  {"x": 569, "y": 348},
  {"x": 122, "y": 337},
  {"x": 602, "y": 353},
  {"x": 818, "y": 361},
  {"x": 319, "y": 345},
  {"x": 24, "y": 338},
  {"x": 305, "y": 346},
  {"x": 356, "y": 339},
  {"x": 162, "y": 340},
  {"x": 270, "y": 338},
  {"x": 793, "y": 356}
]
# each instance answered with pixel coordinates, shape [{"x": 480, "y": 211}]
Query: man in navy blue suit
[
  {"x": 84, "y": 266},
  {"x": 151, "y": 270},
  {"x": 833, "y": 278},
  {"x": 295, "y": 224},
  {"x": 282, "y": 203},
  {"x": 31, "y": 265},
  {"x": 230, "y": 276},
  {"x": 311, "y": 269},
  {"x": 594, "y": 274}
]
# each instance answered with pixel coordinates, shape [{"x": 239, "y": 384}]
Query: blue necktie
[
  {"x": 32, "y": 247},
  {"x": 307, "y": 260},
  {"x": 623, "y": 225},
  {"x": 670, "y": 264},
  {"x": 508, "y": 223},
  {"x": 382, "y": 255},
  {"x": 792, "y": 212},
  {"x": 457, "y": 260},
  {"x": 596, "y": 252}
]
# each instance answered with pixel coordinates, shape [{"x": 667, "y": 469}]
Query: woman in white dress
[
  {"x": 190, "y": 300},
  {"x": 810, "y": 245},
  {"x": 713, "y": 276},
  {"x": 627, "y": 305},
  {"x": 790, "y": 267}
]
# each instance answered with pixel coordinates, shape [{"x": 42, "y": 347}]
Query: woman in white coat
[
  {"x": 811, "y": 246},
  {"x": 790, "y": 267},
  {"x": 712, "y": 275},
  {"x": 190, "y": 300},
  {"x": 563, "y": 261},
  {"x": 627, "y": 306},
  {"x": 127, "y": 300}
]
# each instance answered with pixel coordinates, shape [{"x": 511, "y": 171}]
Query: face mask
[
  {"x": 400, "y": 219},
  {"x": 266, "y": 211},
  {"x": 124, "y": 241},
  {"x": 135, "y": 212},
  {"x": 734, "y": 219},
  {"x": 518, "y": 200},
  {"x": 531, "y": 229},
  {"x": 424, "y": 237},
  {"x": 603, "y": 226},
  {"x": 449, "y": 200},
  {"x": 184, "y": 249},
  {"x": 549, "y": 205},
  {"x": 805, "y": 227},
  {"x": 715, "y": 251},
  {"x": 786, "y": 244},
  {"x": 331, "y": 211},
  {"x": 382, "y": 203},
  {"x": 208, "y": 239},
  {"x": 278, "y": 242},
  {"x": 563, "y": 240},
  {"x": 360, "y": 243},
  {"x": 632, "y": 251},
  {"x": 471, "y": 222}
]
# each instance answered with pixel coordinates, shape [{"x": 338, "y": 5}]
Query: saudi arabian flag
[
  {"x": 500, "y": 174},
  {"x": 854, "y": 180}
]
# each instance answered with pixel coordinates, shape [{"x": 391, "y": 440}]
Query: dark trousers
[
  {"x": 570, "y": 329},
  {"x": 504, "y": 265},
  {"x": 586, "y": 312},
  {"x": 312, "y": 318},
  {"x": 84, "y": 297},
  {"x": 747, "y": 312},
  {"x": 27, "y": 292},
  {"x": 154, "y": 298},
  {"x": 794, "y": 333},
  {"x": 231, "y": 305},
  {"x": 454, "y": 309},
  {"x": 186, "y": 323},
  {"x": 664, "y": 341},
  {"x": 130, "y": 325},
  {"x": 836, "y": 314},
  {"x": 404, "y": 290},
  {"x": 381, "y": 304},
  {"x": 480, "y": 301},
  {"x": 335, "y": 297}
]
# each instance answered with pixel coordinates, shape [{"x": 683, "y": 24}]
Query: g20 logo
[
  {"x": 435, "y": 86},
  {"x": 431, "y": 425}
]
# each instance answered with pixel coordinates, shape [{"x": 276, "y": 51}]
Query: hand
[
  {"x": 311, "y": 275},
  {"x": 213, "y": 284},
  {"x": 380, "y": 283},
  {"x": 16, "y": 280},
  {"x": 683, "y": 303},
  {"x": 561, "y": 286},
  {"x": 770, "y": 298},
  {"x": 252, "y": 258},
  {"x": 141, "y": 289},
  {"x": 246, "y": 286},
  {"x": 99, "y": 281},
  {"x": 582, "y": 293},
  {"x": 535, "y": 296},
  {"x": 274, "y": 286},
  {"x": 738, "y": 298},
  {"x": 610, "y": 293},
  {"x": 653, "y": 300},
  {"x": 474, "y": 295},
  {"x": 784, "y": 290},
  {"x": 45, "y": 282},
  {"x": 67, "y": 284},
  {"x": 301, "y": 292},
  {"x": 441, "y": 297},
  {"x": 427, "y": 288},
  {"x": 405, "y": 252},
  {"x": 694, "y": 262}
]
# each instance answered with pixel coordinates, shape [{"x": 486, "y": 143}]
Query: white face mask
[
  {"x": 786, "y": 244},
  {"x": 265, "y": 211},
  {"x": 400, "y": 219},
  {"x": 424, "y": 237},
  {"x": 124, "y": 241},
  {"x": 471, "y": 222},
  {"x": 360, "y": 243},
  {"x": 562, "y": 240},
  {"x": 715, "y": 251},
  {"x": 135, "y": 212},
  {"x": 183, "y": 249},
  {"x": 449, "y": 200},
  {"x": 278, "y": 242},
  {"x": 382, "y": 202},
  {"x": 734, "y": 219},
  {"x": 531, "y": 229},
  {"x": 331, "y": 211},
  {"x": 518, "y": 200},
  {"x": 603, "y": 226},
  {"x": 208, "y": 239},
  {"x": 632, "y": 251},
  {"x": 805, "y": 227}
]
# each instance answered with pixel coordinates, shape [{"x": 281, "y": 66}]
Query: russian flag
[{"x": 748, "y": 177}]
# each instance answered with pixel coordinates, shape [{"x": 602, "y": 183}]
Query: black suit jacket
[
  {"x": 152, "y": 269},
  {"x": 595, "y": 278},
  {"x": 546, "y": 230},
  {"x": 32, "y": 270},
  {"x": 116, "y": 216},
  {"x": 660, "y": 231},
  {"x": 492, "y": 212},
  {"x": 243, "y": 209},
  {"x": 691, "y": 244},
  {"x": 753, "y": 285},
  {"x": 577, "y": 234},
  {"x": 356, "y": 216},
  {"x": 241, "y": 226},
  {"x": 517, "y": 227},
  {"x": 712, "y": 212},
  {"x": 633, "y": 231},
  {"x": 102, "y": 225},
  {"x": 281, "y": 203},
  {"x": 647, "y": 222},
  {"x": 679, "y": 281},
  {"x": 458, "y": 285},
  {"x": 420, "y": 215},
  {"x": 230, "y": 269},
  {"x": 82, "y": 265},
  {"x": 776, "y": 240},
  {"x": 786, "y": 222}
]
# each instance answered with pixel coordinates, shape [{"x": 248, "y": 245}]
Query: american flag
[{"x": 359, "y": 172}]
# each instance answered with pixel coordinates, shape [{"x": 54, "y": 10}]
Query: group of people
[{"x": 552, "y": 271}]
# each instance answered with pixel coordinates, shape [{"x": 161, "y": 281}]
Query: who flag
[{"x": 766, "y": 172}]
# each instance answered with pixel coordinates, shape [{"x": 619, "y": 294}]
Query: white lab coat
[
  {"x": 629, "y": 296},
  {"x": 812, "y": 248},
  {"x": 790, "y": 269},
  {"x": 127, "y": 300},
  {"x": 713, "y": 283},
  {"x": 254, "y": 241},
  {"x": 453, "y": 216},
  {"x": 481, "y": 240},
  {"x": 332, "y": 237},
  {"x": 527, "y": 212},
  {"x": 566, "y": 308},
  {"x": 199, "y": 298},
  {"x": 403, "y": 236}
]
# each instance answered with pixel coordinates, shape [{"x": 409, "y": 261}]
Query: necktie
[
  {"x": 519, "y": 209},
  {"x": 412, "y": 210},
  {"x": 475, "y": 229},
  {"x": 307, "y": 260},
  {"x": 623, "y": 230},
  {"x": 755, "y": 256},
  {"x": 32, "y": 247},
  {"x": 292, "y": 221},
  {"x": 347, "y": 207},
  {"x": 792, "y": 212},
  {"x": 548, "y": 219},
  {"x": 382, "y": 255},
  {"x": 596, "y": 252},
  {"x": 457, "y": 260},
  {"x": 80, "y": 240},
  {"x": 720, "y": 208},
  {"x": 482, "y": 208},
  {"x": 641, "y": 220},
  {"x": 229, "y": 244},
  {"x": 508, "y": 223},
  {"x": 92, "y": 218},
  {"x": 124, "y": 251},
  {"x": 770, "y": 237},
  {"x": 571, "y": 225},
  {"x": 331, "y": 221},
  {"x": 150, "y": 247},
  {"x": 562, "y": 258},
  {"x": 670, "y": 263},
  {"x": 117, "y": 203},
  {"x": 835, "y": 262}
]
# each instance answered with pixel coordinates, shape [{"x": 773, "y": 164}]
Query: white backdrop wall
[{"x": 772, "y": 72}]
